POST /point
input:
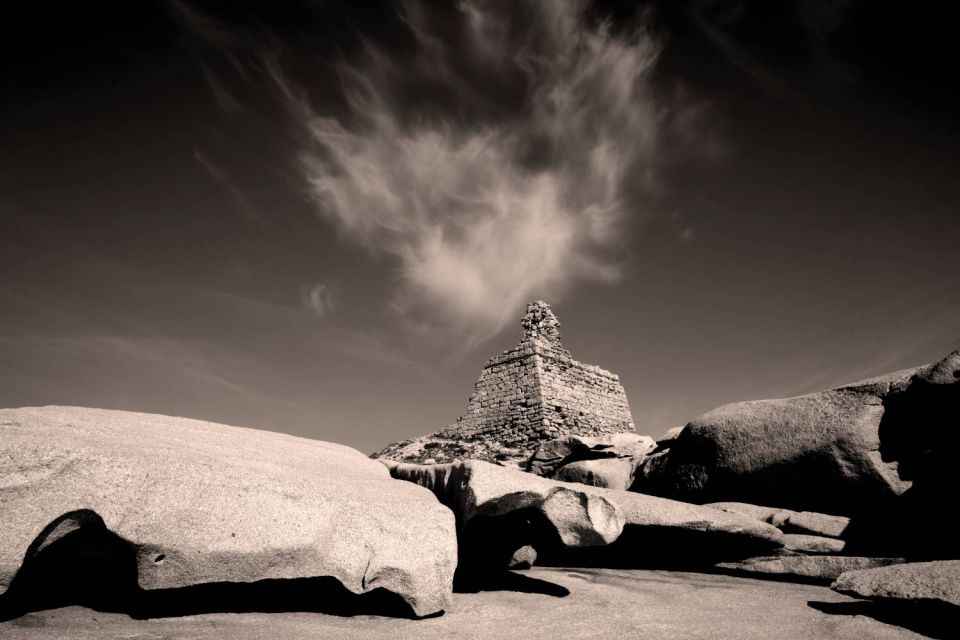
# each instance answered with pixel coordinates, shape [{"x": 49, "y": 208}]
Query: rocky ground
[
  {"x": 817, "y": 516},
  {"x": 602, "y": 603}
]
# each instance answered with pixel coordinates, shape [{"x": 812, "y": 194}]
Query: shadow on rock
[
  {"x": 76, "y": 560},
  {"x": 487, "y": 544},
  {"x": 649, "y": 547},
  {"x": 926, "y": 619},
  {"x": 510, "y": 581}
]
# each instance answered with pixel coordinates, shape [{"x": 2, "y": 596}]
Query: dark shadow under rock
[
  {"x": 487, "y": 545},
  {"x": 926, "y": 619},
  {"x": 918, "y": 433},
  {"x": 510, "y": 581},
  {"x": 649, "y": 547},
  {"x": 76, "y": 560}
]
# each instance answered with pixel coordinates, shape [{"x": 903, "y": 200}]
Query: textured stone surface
[
  {"x": 819, "y": 452},
  {"x": 800, "y": 522},
  {"x": 771, "y": 515},
  {"x": 581, "y": 517},
  {"x": 603, "y": 604},
  {"x": 816, "y": 524},
  {"x": 531, "y": 393},
  {"x": 611, "y": 473},
  {"x": 523, "y": 558},
  {"x": 551, "y": 455},
  {"x": 202, "y": 503},
  {"x": 667, "y": 438},
  {"x": 921, "y": 583},
  {"x": 475, "y": 489},
  {"x": 812, "y": 545},
  {"x": 818, "y": 568},
  {"x": 879, "y": 449}
]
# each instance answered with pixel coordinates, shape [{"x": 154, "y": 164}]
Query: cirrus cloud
[{"x": 493, "y": 160}]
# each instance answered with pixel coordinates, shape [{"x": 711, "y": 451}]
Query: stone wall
[{"x": 533, "y": 392}]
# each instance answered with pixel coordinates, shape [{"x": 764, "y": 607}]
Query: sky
[{"x": 323, "y": 217}]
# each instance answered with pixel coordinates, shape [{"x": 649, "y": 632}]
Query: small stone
[{"x": 523, "y": 558}]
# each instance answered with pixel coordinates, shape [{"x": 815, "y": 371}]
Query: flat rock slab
[
  {"x": 199, "y": 502},
  {"x": 812, "y": 545},
  {"x": 603, "y": 603},
  {"x": 822, "y": 568},
  {"x": 798, "y": 522},
  {"x": 918, "y": 583},
  {"x": 816, "y": 524}
]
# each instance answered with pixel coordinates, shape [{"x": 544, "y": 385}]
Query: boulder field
[
  {"x": 166, "y": 503},
  {"x": 500, "y": 510},
  {"x": 851, "y": 450},
  {"x": 857, "y": 478}
]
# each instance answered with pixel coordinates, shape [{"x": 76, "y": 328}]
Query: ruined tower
[
  {"x": 537, "y": 391},
  {"x": 533, "y": 392}
]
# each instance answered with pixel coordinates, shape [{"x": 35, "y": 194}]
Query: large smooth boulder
[
  {"x": 553, "y": 455},
  {"x": 499, "y": 510},
  {"x": 837, "y": 451},
  {"x": 195, "y": 502},
  {"x": 925, "y": 585}
]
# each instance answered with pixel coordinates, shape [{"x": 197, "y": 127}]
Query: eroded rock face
[
  {"x": 554, "y": 454},
  {"x": 198, "y": 502},
  {"x": 819, "y": 452},
  {"x": 610, "y": 473},
  {"x": 921, "y": 584},
  {"x": 838, "y": 451},
  {"x": 475, "y": 489},
  {"x": 796, "y": 522},
  {"x": 798, "y": 543},
  {"x": 499, "y": 510}
]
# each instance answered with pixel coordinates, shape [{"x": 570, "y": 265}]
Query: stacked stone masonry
[{"x": 537, "y": 391}]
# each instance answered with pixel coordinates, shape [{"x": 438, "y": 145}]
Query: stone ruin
[{"x": 531, "y": 393}]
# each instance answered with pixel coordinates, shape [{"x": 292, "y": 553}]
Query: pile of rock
[
  {"x": 526, "y": 395},
  {"x": 605, "y": 461},
  {"x": 100, "y": 505},
  {"x": 815, "y": 547},
  {"x": 501, "y": 510}
]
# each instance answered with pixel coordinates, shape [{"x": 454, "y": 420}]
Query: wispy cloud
[
  {"x": 319, "y": 298},
  {"x": 239, "y": 199},
  {"x": 201, "y": 25},
  {"x": 494, "y": 163},
  {"x": 225, "y": 100},
  {"x": 499, "y": 157}
]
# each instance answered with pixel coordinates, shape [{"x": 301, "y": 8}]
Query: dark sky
[{"x": 323, "y": 217}]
